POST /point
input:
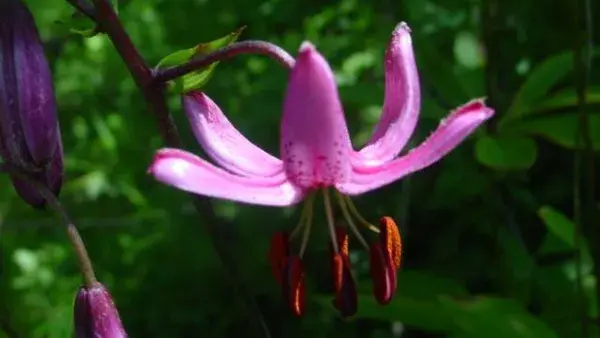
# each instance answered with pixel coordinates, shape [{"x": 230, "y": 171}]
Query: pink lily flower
[{"x": 315, "y": 148}]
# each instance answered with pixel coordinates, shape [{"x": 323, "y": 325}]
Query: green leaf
[
  {"x": 538, "y": 84},
  {"x": 558, "y": 224},
  {"x": 545, "y": 76},
  {"x": 496, "y": 318},
  {"x": 561, "y": 236},
  {"x": 199, "y": 78},
  {"x": 78, "y": 23},
  {"x": 566, "y": 99},
  {"x": 560, "y": 129},
  {"x": 506, "y": 152},
  {"x": 416, "y": 302}
]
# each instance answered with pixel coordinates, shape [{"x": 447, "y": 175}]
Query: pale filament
[
  {"x": 308, "y": 223},
  {"x": 330, "y": 225},
  {"x": 355, "y": 212},
  {"x": 351, "y": 224}
]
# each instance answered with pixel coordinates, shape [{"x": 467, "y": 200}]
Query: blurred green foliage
[{"x": 490, "y": 249}]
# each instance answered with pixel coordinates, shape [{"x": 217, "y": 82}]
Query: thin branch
[
  {"x": 110, "y": 24},
  {"x": 85, "y": 264},
  {"x": 244, "y": 47},
  {"x": 84, "y": 7},
  {"x": 154, "y": 94}
]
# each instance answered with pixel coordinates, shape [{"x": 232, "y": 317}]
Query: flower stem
[
  {"x": 243, "y": 47},
  {"x": 85, "y": 264}
]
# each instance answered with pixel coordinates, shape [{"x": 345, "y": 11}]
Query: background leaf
[
  {"x": 506, "y": 152},
  {"x": 560, "y": 129}
]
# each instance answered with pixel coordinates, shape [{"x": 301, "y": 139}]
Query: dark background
[{"x": 491, "y": 246}]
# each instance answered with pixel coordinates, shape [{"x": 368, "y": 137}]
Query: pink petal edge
[
  {"x": 223, "y": 143},
  {"x": 461, "y": 123},
  {"x": 402, "y": 102},
  {"x": 188, "y": 172}
]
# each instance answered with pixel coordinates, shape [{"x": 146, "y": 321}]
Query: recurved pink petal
[
  {"x": 223, "y": 142},
  {"x": 452, "y": 130},
  {"x": 401, "y": 104},
  {"x": 190, "y": 173},
  {"x": 315, "y": 145}
]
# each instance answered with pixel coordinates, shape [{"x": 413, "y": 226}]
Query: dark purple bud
[
  {"x": 51, "y": 176},
  {"x": 96, "y": 315},
  {"x": 28, "y": 120}
]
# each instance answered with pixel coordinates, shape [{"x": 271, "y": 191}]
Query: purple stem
[{"x": 244, "y": 47}]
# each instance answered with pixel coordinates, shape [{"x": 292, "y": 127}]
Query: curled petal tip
[
  {"x": 306, "y": 47},
  {"x": 401, "y": 37},
  {"x": 476, "y": 106},
  {"x": 402, "y": 27}
]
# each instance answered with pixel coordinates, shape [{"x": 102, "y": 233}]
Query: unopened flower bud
[
  {"x": 29, "y": 129},
  {"x": 96, "y": 315}
]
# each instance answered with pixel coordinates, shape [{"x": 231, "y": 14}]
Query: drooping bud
[
  {"x": 29, "y": 130},
  {"x": 293, "y": 285},
  {"x": 95, "y": 314},
  {"x": 278, "y": 254}
]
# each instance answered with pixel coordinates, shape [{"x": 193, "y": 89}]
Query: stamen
[
  {"x": 355, "y": 213},
  {"x": 308, "y": 226},
  {"x": 329, "y": 214},
  {"x": 351, "y": 224},
  {"x": 308, "y": 204}
]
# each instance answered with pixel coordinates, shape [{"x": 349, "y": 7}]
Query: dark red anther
[
  {"x": 346, "y": 296},
  {"x": 391, "y": 240},
  {"x": 337, "y": 262},
  {"x": 293, "y": 285},
  {"x": 278, "y": 254},
  {"x": 344, "y": 287},
  {"x": 342, "y": 240},
  {"x": 383, "y": 273}
]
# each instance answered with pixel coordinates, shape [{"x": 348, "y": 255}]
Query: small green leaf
[
  {"x": 545, "y": 76},
  {"x": 560, "y": 129},
  {"x": 78, "y": 23},
  {"x": 506, "y": 152},
  {"x": 197, "y": 79},
  {"x": 558, "y": 224}
]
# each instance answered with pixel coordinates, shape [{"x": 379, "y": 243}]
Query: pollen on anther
[{"x": 390, "y": 237}]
